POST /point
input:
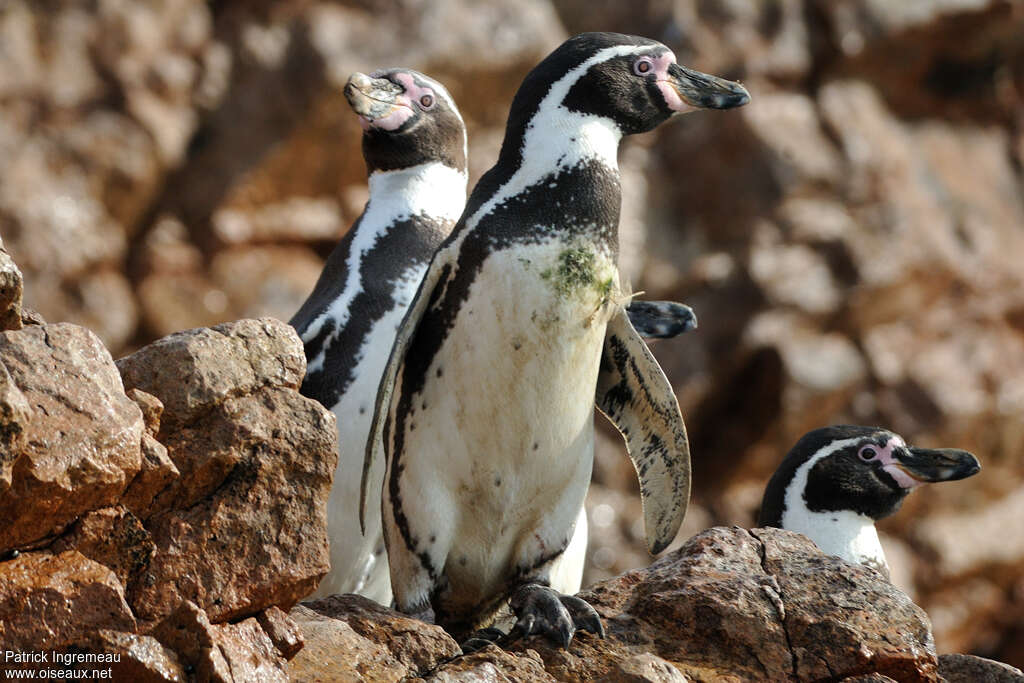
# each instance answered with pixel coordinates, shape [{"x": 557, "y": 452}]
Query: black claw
[
  {"x": 542, "y": 610},
  {"x": 584, "y": 616}
]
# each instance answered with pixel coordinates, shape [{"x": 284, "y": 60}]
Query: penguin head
[
  {"x": 866, "y": 470},
  {"x": 408, "y": 119},
  {"x": 634, "y": 82}
]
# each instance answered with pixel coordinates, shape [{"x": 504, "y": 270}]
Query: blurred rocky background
[{"x": 852, "y": 240}]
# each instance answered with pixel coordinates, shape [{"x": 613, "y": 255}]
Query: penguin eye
[
  {"x": 427, "y": 101},
  {"x": 643, "y": 66},
  {"x": 867, "y": 453}
]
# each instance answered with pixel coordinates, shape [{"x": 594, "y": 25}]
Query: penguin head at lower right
[
  {"x": 408, "y": 119},
  {"x": 865, "y": 470}
]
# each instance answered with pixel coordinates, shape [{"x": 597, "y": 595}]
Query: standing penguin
[
  {"x": 836, "y": 481},
  {"x": 414, "y": 144},
  {"x": 484, "y": 412}
]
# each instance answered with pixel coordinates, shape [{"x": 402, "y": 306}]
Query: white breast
[{"x": 498, "y": 462}]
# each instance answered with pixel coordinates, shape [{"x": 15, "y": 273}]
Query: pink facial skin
[
  {"x": 403, "y": 105},
  {"x": 892, "y": 466},
  {"x": 660, "y": 71}
]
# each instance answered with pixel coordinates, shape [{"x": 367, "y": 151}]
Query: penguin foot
[
  {"x": 543, "y": 610},
  {"x": 481, "y": 639}
]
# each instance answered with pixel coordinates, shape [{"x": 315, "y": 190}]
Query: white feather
[
  {"x": 845, "y": 533},
  {"x": 432, "y": 189}
]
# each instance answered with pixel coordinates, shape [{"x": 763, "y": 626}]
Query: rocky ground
[
  {"x": 168, "y": 509},
  {"x": 851, "y": 242}
]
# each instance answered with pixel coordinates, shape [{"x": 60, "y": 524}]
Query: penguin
[
  {"x": 837, "y": 481},
  {"x": 483, "y": 418},
  {"x": 415, "y": 147}
]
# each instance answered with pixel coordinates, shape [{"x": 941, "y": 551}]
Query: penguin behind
[
  {"x": 414, "y": 145},
  {"x": 484, "y": 416},
  {"x": 837, "y": 481}
]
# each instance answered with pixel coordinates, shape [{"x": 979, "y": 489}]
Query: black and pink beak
[
  {"x": 929, "y": 465},
  {"x": 379, "y": 102},
  {"x": 699, "y": 90}
]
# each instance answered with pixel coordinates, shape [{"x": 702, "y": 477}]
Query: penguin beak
[
  {"x": 928, "y": 465},
  {"x": 704, "y": 91},
  {"x": 375, "y": 99}
]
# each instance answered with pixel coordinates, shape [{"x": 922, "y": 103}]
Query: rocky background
[{"x": 852, "y": 242}]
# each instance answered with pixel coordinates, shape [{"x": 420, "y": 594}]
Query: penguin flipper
[
  {"x": 406, "y": 330},
  {"x": 633, "y": 392}
]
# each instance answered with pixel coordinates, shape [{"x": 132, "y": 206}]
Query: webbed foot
[{"x": 543, "y": 610}]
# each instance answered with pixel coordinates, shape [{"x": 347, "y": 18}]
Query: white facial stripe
[
  {"x": 548, "y": 144},
  {"x": 845, "y": 533},
  {"x": 794, "y": 493}
]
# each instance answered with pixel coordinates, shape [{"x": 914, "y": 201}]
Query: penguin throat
[
  {"x": 844, "y": 533},
  {"x": 432, "y": 189}
]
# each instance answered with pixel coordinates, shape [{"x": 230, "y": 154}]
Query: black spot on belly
[
  {"x": 536, "y": 445},
  {"x": 462, "y": 561},
  {"x": 440, "y": 371},
  {"x": 497, "y": 480},
  {"x": 362, "y": 410},
  {"x": 433, "y": 538}
]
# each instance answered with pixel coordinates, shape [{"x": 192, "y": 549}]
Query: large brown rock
[
  {"x": 10, "y": 292},
  {"x": 730, "y": 604},
  {"x": 191, "y": 372},
  {"x": 957, "y": 668},
  {"x": 349, "y": 637},
  {"x": 112, "y": 536},
  {"x": 243, "y": 527},
  {"x": 79, "y": 440},
  {"x": 139, "y": 658},
  {"x": 50, "y": 600},
  {"x": 228, "y": 653}
]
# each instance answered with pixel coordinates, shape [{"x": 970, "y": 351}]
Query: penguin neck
[
  {"x": 848, "y": 534},
  {"x": 556, "y": 138},
  {"x": 432, "y": 189}
]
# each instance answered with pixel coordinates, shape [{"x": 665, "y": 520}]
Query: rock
[
  {"x": 158, "y": 470},
  {"x": 48, "y": 600},
  {"x": 494, "y": 664},
  {"x": 112, "y": 536},
  {"x": 728, "y": 605},
  {"x": 760, "y": 605},
  {"x": 968, "y": 668},
  {"x": 81, "y": 443},
  {"x": 260, "y": 539},
  {"x": 226, "y": 653},
  {"x": 157, "y": 473},
  {"x": 349, "y": 637},
  {"x": 10, "y": 292},
  {"x": 140, "y": 659},
  {"x": 283, "y": 632},
  {"x": 242, "y": 528},
  {"x": 193, "y": 371}
]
